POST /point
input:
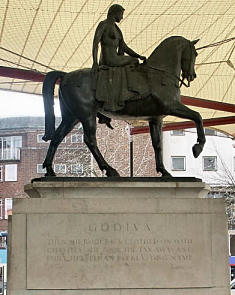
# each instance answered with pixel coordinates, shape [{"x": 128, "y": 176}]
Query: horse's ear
[{"x": 195, "y": 41}]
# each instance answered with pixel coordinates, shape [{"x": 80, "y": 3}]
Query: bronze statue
[
  {"x": 160, "y": 76},
  {"x": 112, "y": 43}
]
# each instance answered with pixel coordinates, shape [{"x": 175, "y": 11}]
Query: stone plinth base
[{"x": 118, "y": 237}]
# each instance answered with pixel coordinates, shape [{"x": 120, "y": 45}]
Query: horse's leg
[
  {"x": 89, "y": 127},
  {"x": 64, "y": 128},
  {"x": 180, "y": 110},
  {"x": 155, "y": 126}
]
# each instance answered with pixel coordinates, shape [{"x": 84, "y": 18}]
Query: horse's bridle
[
  {"x": 191, "y": 57},
  {"x": 170, "y": 74}
]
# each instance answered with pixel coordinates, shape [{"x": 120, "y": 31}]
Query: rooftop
[{"x": 23, "y": 123}]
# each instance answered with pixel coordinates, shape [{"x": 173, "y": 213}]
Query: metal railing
[{"x": 10, "y": 154}]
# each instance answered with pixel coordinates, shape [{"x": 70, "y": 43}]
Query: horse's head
[{"x": 188, "y": 58}]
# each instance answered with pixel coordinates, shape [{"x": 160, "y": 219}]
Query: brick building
[{"x": 22, "y": 152}]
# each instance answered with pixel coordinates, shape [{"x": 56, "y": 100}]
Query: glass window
[
  {"x": 210, "y": 163},
  {"x": 178, "y": 132},
  {"x": 60, "y": 168},
  {"x": 76, "y": 168},
  {"x": 1, "y": 206},
  {"x": 8, "y": 207},
  {"x": 10, "y": 147},
  {"x": 178, "y": 163},
  {"x": 40, "y": 140},
  {"x": 77, "y": 138},
  {"x": 1, "y": 173},
  {"x": 40, "y": 169},
  {"x": 11, "y": 172},
  {"x": 209, "y": 131},
  {"x": 3, "y": 244}
]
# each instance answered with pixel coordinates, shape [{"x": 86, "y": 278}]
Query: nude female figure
[{"x": 112, "y": 43}]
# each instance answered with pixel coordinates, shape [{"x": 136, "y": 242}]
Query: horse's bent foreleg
[
  {"x": 64, "y": 128},
  {"x": 155, "y": 126},
  {"x": 89, "y": 127},
  {"x": 182, "y": 111}
]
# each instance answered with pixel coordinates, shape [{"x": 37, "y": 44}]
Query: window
[
  {"x": 1, "y": 173},
  {"x": 214, "y": 195},
  {"x": 10, "y": 147},
  {"x": 77, "y": 168},
  {"x": 1, "y": 206},
  {"x": 39, "y": 138},
  {"x": 78, "y": 126},
  {"x": 40, "y": 169},
  {"x": 3, "y": 244},
  {"x": 60, "y": 168},
  {"x": 178, "y": 132},
  {"x": 8, "y": 207},
  {"x": 210, "y": 163},
  {"x": 11, "y": 172},
  {"x": 77, "y": 138},
  {"x": 178, "y": 163},
  {"x": 209, "y": 131}
]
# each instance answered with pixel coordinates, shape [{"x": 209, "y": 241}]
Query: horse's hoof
[
  {"x": 50, "y": 173},
  {"x": 112, "y": 173},
  {"x": 165, "y": 173},
  {"x": 197, "y": 149}
]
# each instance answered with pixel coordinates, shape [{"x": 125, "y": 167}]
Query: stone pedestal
[{"x": 118, "y": 237}]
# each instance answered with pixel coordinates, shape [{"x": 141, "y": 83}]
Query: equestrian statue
[{"x": 120, "y": 87}]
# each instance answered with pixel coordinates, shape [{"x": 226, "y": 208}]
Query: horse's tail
[{"x": 48, "y": 99}]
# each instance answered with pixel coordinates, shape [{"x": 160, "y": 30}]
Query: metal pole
[
  {"x": 130, "y": 137},
  {"x": 131, "y": 155}
]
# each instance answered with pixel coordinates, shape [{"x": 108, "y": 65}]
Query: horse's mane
[{"x": 168, "y": 43}]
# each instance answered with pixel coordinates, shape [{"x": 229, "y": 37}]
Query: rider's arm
[
  {"x": 129, "y": 51},
  {"x": 125, "y": 49},
  {"x": 98, "y": 35}
]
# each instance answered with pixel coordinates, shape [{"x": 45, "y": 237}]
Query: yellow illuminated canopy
[{"x": 42, "y": 35}]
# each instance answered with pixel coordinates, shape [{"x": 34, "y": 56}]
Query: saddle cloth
[{"x": 116, "y": 85}]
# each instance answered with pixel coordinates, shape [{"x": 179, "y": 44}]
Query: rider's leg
[
  {"x": 104, "y": 120},
  {"x": 122, "y": 60},
  {"x": 89, "y": 127}
]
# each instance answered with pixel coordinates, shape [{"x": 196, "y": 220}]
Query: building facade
[
  {"x": 215, "y": 165},
  {"x": 22, "y": 152}
]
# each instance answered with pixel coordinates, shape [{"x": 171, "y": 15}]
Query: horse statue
[{"x": 173, "y": 58}]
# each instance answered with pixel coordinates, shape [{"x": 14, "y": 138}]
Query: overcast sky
[{"x": 14, "y": 104}]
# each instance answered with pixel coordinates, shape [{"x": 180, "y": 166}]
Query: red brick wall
[
  {"x": 33, "y": 153},
  {"x": 113, "y": 144}
]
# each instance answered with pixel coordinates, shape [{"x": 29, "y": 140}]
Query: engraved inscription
[
  {"x": 113, "y": 251},
  {"x": 89, "y": 251}
]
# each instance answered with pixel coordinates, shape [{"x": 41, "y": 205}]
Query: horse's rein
[{"x": 178, "y": 78}]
